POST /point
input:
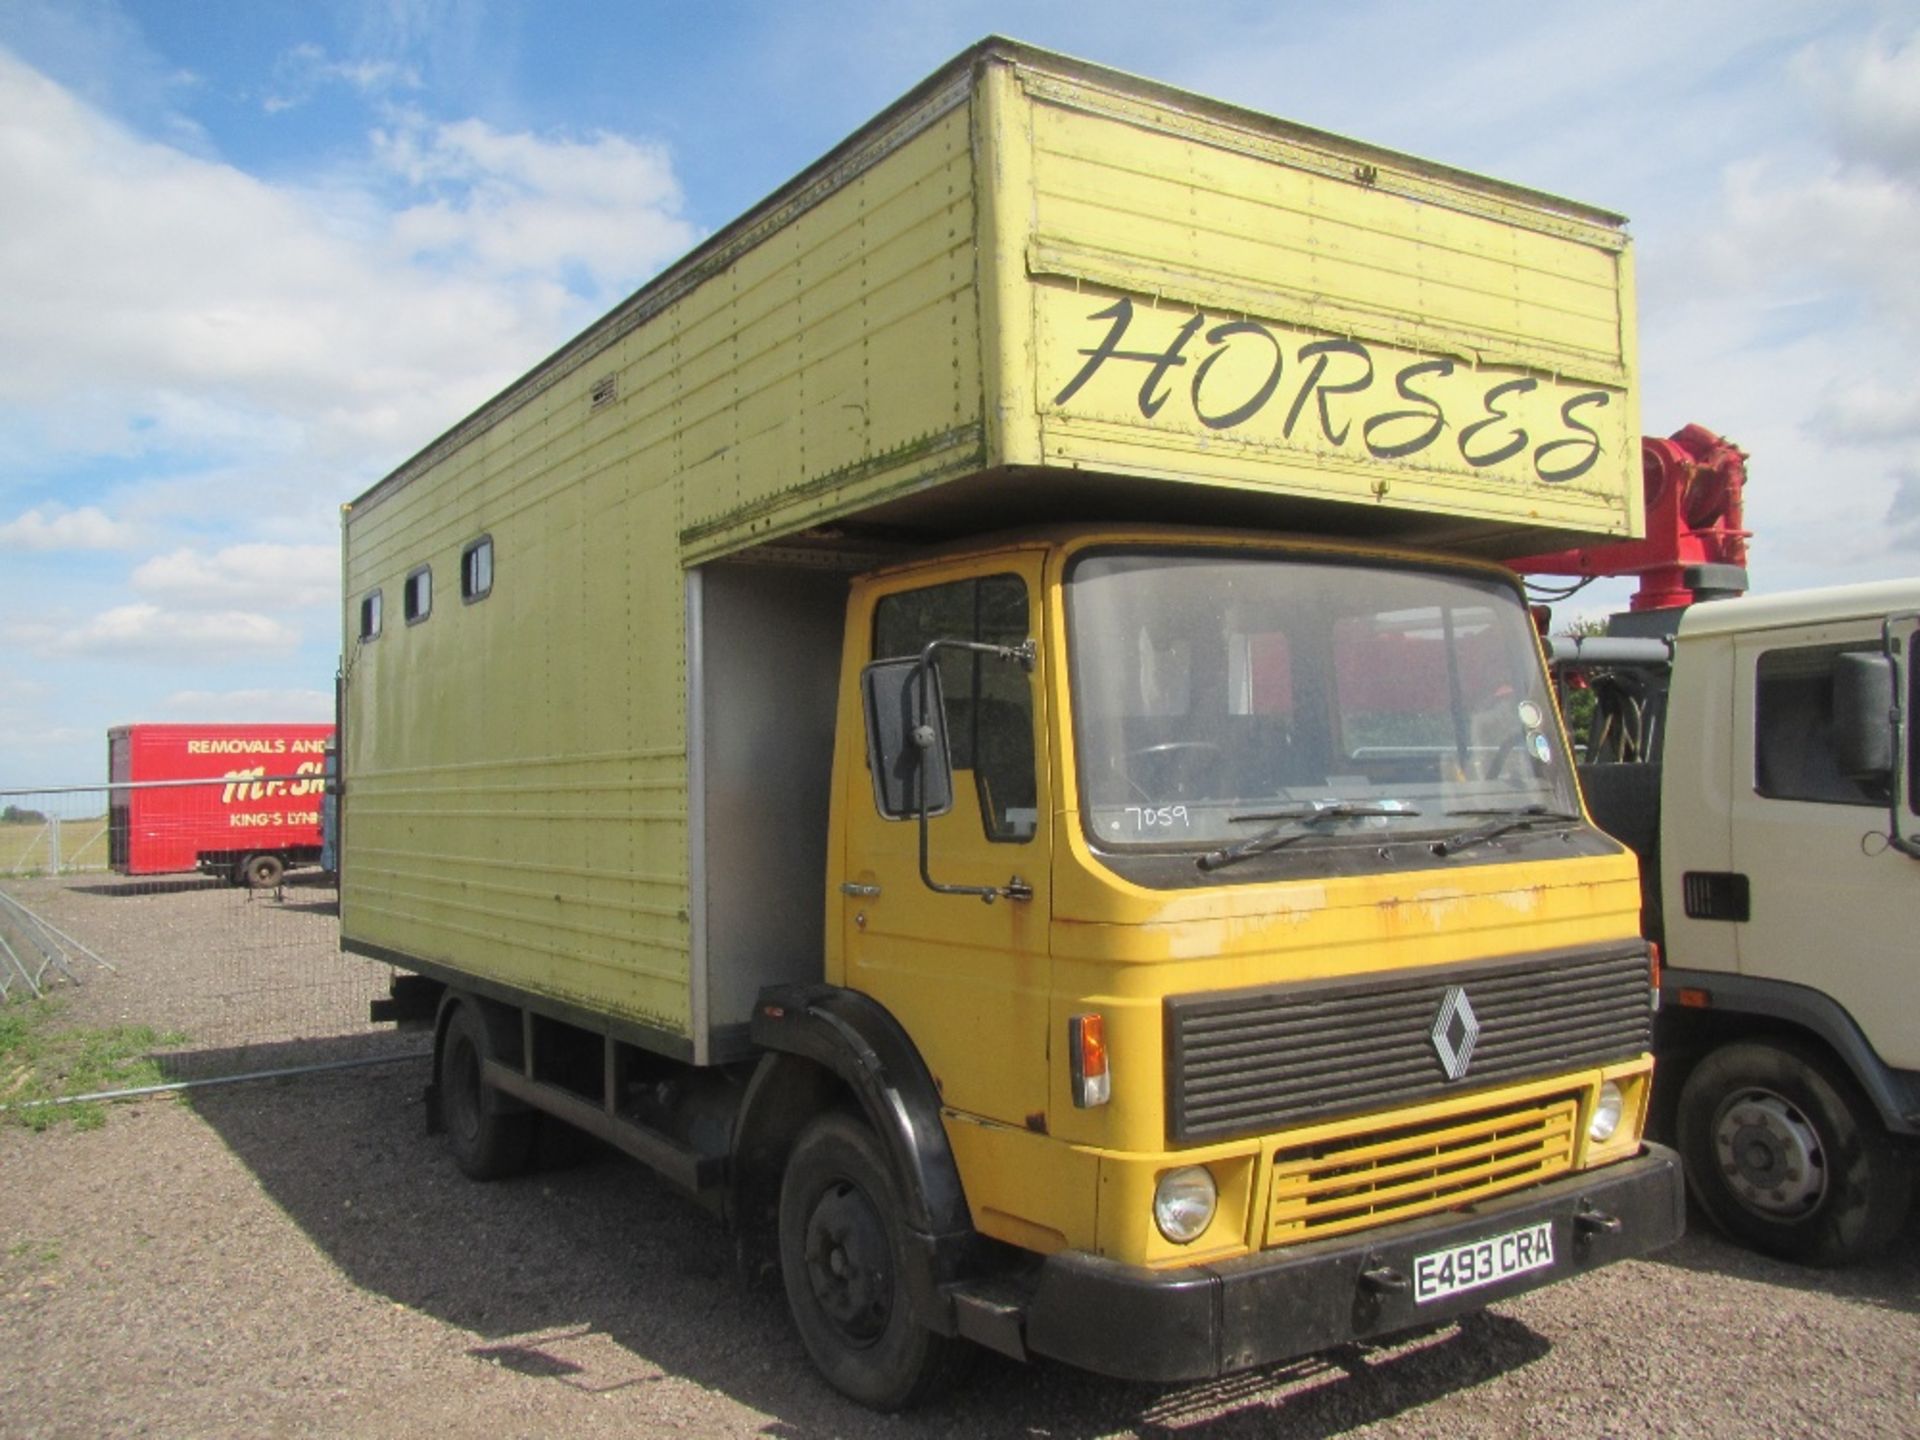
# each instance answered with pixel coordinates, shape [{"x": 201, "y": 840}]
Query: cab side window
[
  {"x": 1793, "y": 740},
  {"x": 989, "y": 702}
]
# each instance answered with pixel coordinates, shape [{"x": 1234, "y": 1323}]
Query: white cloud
[
  {"x": 48, "y": 527},
  {"x": 305, "y": 69},
  {"x": 249, "y": 706},
  {"x": 1847, "y": 226},
  {"x": 175, "y": 304},
  {"x": 1903, "y": 511},
  {"x": 511, "y": 203},
  {"x": 254, "y": 576},
  {"x": 144, "y": 631},
  {"x": 1874, "y": 410},
  {"x": 1872, "y": 97}
]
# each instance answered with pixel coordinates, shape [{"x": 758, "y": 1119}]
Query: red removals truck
[{"x": 241, "y": 801}]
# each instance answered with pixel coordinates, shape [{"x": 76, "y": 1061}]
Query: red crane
[{"x": 1695, "y": 547}]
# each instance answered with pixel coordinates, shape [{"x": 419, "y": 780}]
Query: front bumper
[{"x": 1164, "y": 1325}]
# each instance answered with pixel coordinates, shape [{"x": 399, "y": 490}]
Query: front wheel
[
  {"x": 843, "y": 1258},
  {"x": 1786, "y": 1155}
]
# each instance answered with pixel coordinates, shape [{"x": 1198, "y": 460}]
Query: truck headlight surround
[
  {"x": 1608, "y": 1107},
  {"x": 1184, "y": 1203}
]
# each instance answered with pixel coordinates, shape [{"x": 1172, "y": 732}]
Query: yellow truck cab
[
  {"x": 1237, "y": 772},
  {"x": 981, "y": 733}
]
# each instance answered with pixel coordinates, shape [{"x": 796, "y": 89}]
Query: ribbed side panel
[{"x": 1255, "y": 1061}]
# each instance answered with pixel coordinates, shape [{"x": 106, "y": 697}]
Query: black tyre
[
  {"x": 487, "y": 1142},
  {"x": 262, "y": 872},
  {"x": 843, "y": 1258},
  {"x": 1786, "y": 1155}
]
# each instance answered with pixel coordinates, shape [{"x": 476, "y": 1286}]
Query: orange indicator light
[{"x": 1087, "y": 1047}]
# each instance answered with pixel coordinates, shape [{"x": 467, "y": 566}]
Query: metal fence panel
[{"x": 125, "y": 906}]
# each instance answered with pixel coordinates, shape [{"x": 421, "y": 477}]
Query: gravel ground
[{"x": 296, "y": 1257}]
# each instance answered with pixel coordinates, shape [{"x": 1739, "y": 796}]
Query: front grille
[
  {"x": 1376, "y": 1178},
  {"x": 1253, "y": 1061}
]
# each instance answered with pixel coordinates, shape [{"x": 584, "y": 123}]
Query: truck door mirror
[
  {"x": 907, "y": 747},
  {"x": 1863, "y": 716},
  {"x": 903, "y": 753}
]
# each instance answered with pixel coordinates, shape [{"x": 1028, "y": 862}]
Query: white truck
[{"x": 1760, "y": 753}]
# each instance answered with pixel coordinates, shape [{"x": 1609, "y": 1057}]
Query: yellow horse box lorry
[{"x": 974, "y": 725}]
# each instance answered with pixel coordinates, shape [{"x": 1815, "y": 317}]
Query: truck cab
[
  {"x": 1252, "y": 935},
  {"x": 1791, "y": 884}
]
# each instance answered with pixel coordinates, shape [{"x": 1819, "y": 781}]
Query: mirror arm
[{"x": 1022, "y": 655}]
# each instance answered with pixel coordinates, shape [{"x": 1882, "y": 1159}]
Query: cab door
[
  {"x": 1832, "y": 905},
  {"x": 967, "y": 979}
]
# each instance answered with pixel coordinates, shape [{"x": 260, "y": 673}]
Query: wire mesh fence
[{"x": 200, "y": 911}]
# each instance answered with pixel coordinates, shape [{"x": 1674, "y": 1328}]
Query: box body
[{"x": 1031, "y": 291}]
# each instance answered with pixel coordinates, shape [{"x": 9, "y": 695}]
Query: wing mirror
[
  {"x": 907, "y": 748},
  {"x": 907, "y": 738},
  {"x": 1865, "y": 716}
]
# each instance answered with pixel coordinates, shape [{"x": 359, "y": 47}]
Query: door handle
[{"x": 863, "y": 892}]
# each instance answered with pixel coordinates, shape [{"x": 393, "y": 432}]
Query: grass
[
  {"x": 40, "y": 1061},
  {"x": 83, "y": 846}
]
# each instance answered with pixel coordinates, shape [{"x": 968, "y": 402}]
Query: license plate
[{"x": 1441, "y": 1273}]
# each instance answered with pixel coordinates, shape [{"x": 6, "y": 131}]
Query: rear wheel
[
  {"x": 1787, "y": 1156},
  {"x": 488, "y": 1143},
  {"x": 843, "y": 1257}
]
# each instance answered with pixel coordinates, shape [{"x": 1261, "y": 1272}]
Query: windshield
[{"x": 1217, "y": 696}]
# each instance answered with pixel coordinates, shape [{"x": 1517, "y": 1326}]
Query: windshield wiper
[
  {"x": 1278, "y": 835},
  {"x": 1501, "y": 821}
]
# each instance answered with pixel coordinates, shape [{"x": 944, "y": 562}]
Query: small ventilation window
[
  {"x": 418, "y": 598},
  {"x": 606, "y": 390},
  {"x": 370, "y": 616},
  {"x": 476, "y": 570},
  {"x": 1716, "y": 895}
]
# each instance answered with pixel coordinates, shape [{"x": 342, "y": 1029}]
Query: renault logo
[{"x": 1455, "y": 1029}]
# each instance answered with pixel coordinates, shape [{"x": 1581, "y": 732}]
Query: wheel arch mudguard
[
  {"x": 1735, "y": 1001},
  {"x": 818, "y": 1042}
]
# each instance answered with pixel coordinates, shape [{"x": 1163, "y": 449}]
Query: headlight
[
  {"x": 1183, "y": 1204},
  {"x": 1606, "y": 1113}
]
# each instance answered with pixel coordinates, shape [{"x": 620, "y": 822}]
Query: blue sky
[{"x": 256, "y": 253}]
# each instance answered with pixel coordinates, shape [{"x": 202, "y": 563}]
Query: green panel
[{"x": 522, "y": 815}]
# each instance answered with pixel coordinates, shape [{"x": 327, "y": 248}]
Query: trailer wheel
[
  {"x": 487, "y": 1142},
  {"x": 262, "y": 872},
  {"x": 843, "y": 1257},
  {"x": 1786, "y": 1155}
]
